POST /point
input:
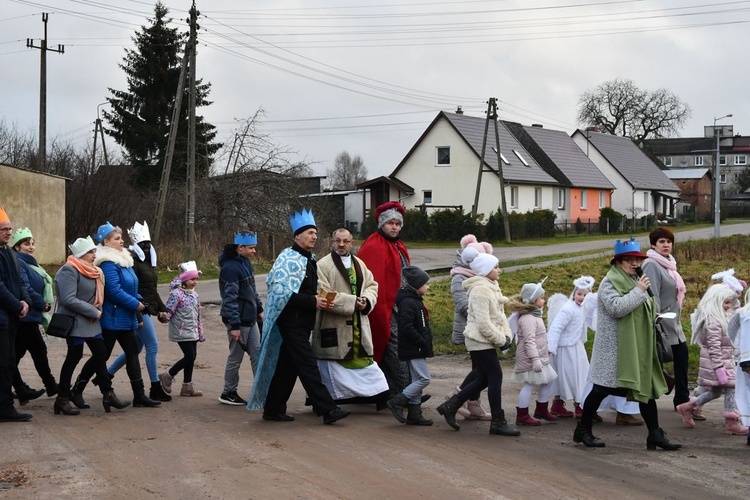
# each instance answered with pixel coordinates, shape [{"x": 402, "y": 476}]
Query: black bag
[
  {"x": 61, "y": 325},
  {"x": 663, "y": 349}
]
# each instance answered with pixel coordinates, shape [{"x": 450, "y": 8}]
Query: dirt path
[{"x": 198, "y": 448}]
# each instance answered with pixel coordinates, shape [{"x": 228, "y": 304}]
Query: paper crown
[
  {"x": 299, "y": 220},
  {"x": 245, "y": 238},
  {"x": 139, "y": 232},
  {"x": 188, "y": 270},
  {"x": 21, "y": 234},
  {"x": 3, "y": 215},
  {"x": 82, "y": 246},
  {"x": 103, "y": 231}
]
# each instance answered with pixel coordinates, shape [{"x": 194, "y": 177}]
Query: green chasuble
[{"x": 356, "y": 361}]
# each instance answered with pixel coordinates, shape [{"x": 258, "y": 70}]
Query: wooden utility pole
[
  {"x": 492, "y": 115},
  {"x": 190, "y": 185},
  {"x": 43, "y": 89}
]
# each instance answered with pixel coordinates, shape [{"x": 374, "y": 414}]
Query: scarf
[
  {"x": 670, "y": 264},
  {"x": 92, "y": 272},
  {"x": 47, "y": 294},
  {"x": 638, "y": 367}
]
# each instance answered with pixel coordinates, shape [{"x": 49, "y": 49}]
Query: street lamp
[{"x": 717, "y": 183}]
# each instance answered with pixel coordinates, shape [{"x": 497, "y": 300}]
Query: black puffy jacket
[{"x": 414, "y": 335}]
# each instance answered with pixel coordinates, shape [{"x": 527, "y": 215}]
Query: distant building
[{"x": 695, "y": 192}]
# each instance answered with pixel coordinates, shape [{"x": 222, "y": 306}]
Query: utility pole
[
  {"x": 98, "y": 130},
  {"x": 43, "y": 89},
  {"x": 190, "y": 185}
]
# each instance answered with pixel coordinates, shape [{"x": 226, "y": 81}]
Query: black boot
[
  {"x": 62, "y": 405},
  {"x": 139, "y": 396},
  {"x": 396, "y": 404},
  {"x": 111, "y": 399},
  {"x": 76, "y": 393},
  {"x": 501, "y": 427},
  {"x": 26, "y": 393},
  {"x": 414, "y": 417},
  {"x": 583, "y": 435},
  {"x": 449, "y": 409},
  {"x": 657, "y": 437},
  {"x": 157, "y": 392}
]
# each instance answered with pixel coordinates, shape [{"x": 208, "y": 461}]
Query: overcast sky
[{"x": 368, "y": 76}]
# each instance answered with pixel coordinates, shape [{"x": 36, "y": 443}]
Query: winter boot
[
  {"x": 732, "y": 425},
  {"x": 583, "y": 435},
  {"x": 76, "y": 393},
  {"x": 463, "y": 410},
  {"x": 139, "y": 396},
  {"x": 396, "y": 404},
  {"x": 476, "y": 412},
  {"x": 523, "y": 417},
  {"x": 24, "y": 393},
  {"x": 189, "y": 390},
  {"x": 543, "y": 413},
  {"x": 558, "y": 409},
  {"x": 657, "y": 437},
  {"x": 157, "y": 392},
  {"x": 686, "y": 410},
  {"x": 627, "y": 419},
  {"x": 414, "y": 416},
  {"x": 166, "y": 382},
  {"x": 449, "y": 409},
  {"x": 501, "y": 427},
  {"x": 698, "y": 414},
  {"x": 111, "y": 399},
  {"x": 62, "y": 405}
]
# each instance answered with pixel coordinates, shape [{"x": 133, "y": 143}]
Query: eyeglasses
[
  {"x": 6, "y": 229},
  {"x": 338, "y": 242},
  {"x": 632, "y": 260}
]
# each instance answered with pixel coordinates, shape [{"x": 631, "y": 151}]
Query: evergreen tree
[{"x": 141, "y": 116}]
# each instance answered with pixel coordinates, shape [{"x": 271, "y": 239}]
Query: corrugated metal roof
[{"x": 686, "y": 173}]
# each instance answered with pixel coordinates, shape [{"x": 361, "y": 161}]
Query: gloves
[
  {"x": 506, "y": 346},
  {"x": 721, "y": 375},
  {"x": 537, "y": 365}
]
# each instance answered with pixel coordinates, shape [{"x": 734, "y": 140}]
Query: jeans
[
  {"x": 146, "y": 338},
  {"x": 250, "y": 337},
  {"x": 420, "y": 378}
]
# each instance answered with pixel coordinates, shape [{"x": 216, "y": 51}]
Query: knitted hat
[
  {"x": 82, "y": 246},
  {"x": 21, "y": 234},
  {"x": 470, "y": 241},
  {"x": 530, "y": 292},
  {"x": 414, "y": 276},
  {"x": 392, "y": 210},
  {"x": 483, "y": 264},
  {"x": 188, "y": 271}
]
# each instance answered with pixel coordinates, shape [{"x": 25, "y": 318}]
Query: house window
[
  {"x": 602, "y": 198},
  {"x": 560, "y": 199},
  {"x": 645, "y": 202},
  {"x": 723, "y": 179},
  {"x": 537, "y": 197},
  {"x": 523, "y": 160},
  {"x": 584, "y": 196},
  {"x": 513, "y": 197},
  {"x": 736, "y": 177},
  {"x": 667, "y": 161},
  {"x": 443, "y": 155},
  {"x": 683, "y": 163},
  {"x": 722, "y": 160},
  {"x": 427, "y": 197},
  {"x": 740, "y": 159},
  {"x": 698, "y": 161},
  {"x": 502, "y": 156}
]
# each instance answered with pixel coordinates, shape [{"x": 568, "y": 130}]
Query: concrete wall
[{"x": 37, "y": 201}]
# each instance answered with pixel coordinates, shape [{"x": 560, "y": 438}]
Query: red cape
[{"x": 383, "y": 260}]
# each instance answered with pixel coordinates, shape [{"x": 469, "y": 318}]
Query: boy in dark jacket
[
  {"x": 241, "y": 311},
  {"x": 414, "y": 344}
]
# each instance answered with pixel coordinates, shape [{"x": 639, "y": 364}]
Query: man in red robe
[{"x": 385, "y": 254}]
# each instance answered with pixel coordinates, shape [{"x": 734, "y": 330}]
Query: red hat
[{"x": 389, "y": 205}]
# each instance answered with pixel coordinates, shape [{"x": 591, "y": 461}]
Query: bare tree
[
  {"x": 619, "y": 107},
  {"x": 347, "y": 172}
]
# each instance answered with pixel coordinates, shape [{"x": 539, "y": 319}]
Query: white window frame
[
  {"x": 740, "y": 159},
  {"x": 523, "y": 160},
  {"x": 722, "y": 160},
  {"x": 537, "y": 197},
  {"x": 667, "y": 161},
  {"x": 646, "y": 200},
  {"x": 722, "y": 178},
  {"x": 602, "y": 198},
  {"x": 437, "y": 156},
  {"x": 584, "y": 199},
  {"x": 698, "y": 161},
  {"x": 561, "y": 199},
  {"x": 514, "y": 197},
  {"x": 427, "y": 193}
]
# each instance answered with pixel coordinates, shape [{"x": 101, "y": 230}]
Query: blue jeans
[
  {"x": 420, "y": 378},
  {"x": 146, "y": 338},
  {"x": 250, "y": 336}
]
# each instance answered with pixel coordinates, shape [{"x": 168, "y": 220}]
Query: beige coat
[
  {"x": 486, "y": 326},
  {"x": 333, "y": 335}
]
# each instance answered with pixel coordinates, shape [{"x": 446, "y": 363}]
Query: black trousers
[
  {"x": 296, "y": 360},
  {"x": 29, "y": 339},
  {"x": 470, "y": 378},
  {"x": 486, "y": 373},
  {"x": 7, "y": 366},
  {"x": 189, "y": 353},
  {"x": 128, "y": 340},
  {"x": 681, "y": 391},
  {"x": 648, "y": 410},
  {"x": 99, "y": 358}
]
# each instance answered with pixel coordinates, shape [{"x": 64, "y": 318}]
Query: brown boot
[
  {"x": 189, "y": 390},
  {"x": 62, "y": 405},
  {"x": 627, "y": 419}
]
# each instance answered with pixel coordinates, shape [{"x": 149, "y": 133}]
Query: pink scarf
[{"x": 670, "y": 264}]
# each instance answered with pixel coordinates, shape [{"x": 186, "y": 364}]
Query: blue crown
[
  {"x": 629, "y": 246},
  {"x": 245, "y": 238},
  {"x": 103, "y": 231},
  {"x": 298, "y": 220}
]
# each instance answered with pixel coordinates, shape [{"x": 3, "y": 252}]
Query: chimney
[
  {"x": 592, "y": 129},
  {"x": 459, "y": 111},
  {"x": 537, "y": 125}
]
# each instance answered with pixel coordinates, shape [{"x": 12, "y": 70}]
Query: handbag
[
  {"x": 61, "y": 325},
  {"x": 663, "y": 349}
]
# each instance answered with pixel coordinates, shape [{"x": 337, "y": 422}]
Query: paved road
[{"x": 439, "y": 258}]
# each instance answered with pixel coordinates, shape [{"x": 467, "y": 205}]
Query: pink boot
[
  {"x": 732, "y": 425},
  {"x": 463, "y": 410},
  {"x": 523, "y": 417},
  {"x": 476, "y": 412},
  {"x": 558, "y": 408},
  {"x": 686, "y": 410},
  {"x": 543, "y": 413}
]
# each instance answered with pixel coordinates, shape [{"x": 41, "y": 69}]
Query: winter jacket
[
  {"x": 716, "y": 351},
  {"x": 147, "y": 281},
  {"x": 414, "y": 336},
  {"x": 486, "y": 326},
  {"x": 532, "y": 342},
  {"x": 34, "y": 286},
  {"x": 333, "y": 335},
  {"x": 567, "y": 328},
  {"x": 240, "y": 305},
  {"x": 75, "y": 296},
  {"x": 184, "y": 313},
  {"x": 121, "y": 297},
  {"x": 12, "y": 289},
  {"x": 665, "y": 296}
]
